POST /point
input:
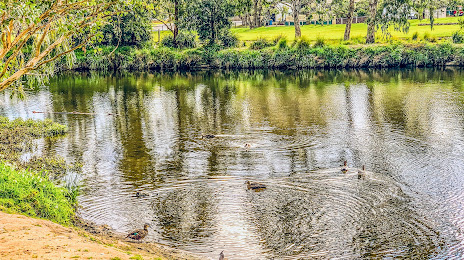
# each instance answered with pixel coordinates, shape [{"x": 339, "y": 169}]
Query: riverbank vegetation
[
  {"x": 33, "y": 194},
  {"x": 118, "y": 35},
  {"x": 28, "y": 186},
  {"x": 300, "y": 54}
]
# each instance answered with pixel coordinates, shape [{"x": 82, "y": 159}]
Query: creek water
[{"x": 144, "y": 134}]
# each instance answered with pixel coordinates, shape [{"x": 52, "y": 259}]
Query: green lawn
[{"x": 335, "y": 32}]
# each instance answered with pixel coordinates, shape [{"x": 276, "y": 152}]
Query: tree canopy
[{"x": 35, "y": 33}]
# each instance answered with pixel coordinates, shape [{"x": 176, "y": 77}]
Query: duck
[
  {"x": 255, "y": 185},
  {"x": 344, "y": 168},
  {"x": 247, "y": 145},
  {"x": 139, "y": 194},
  {"x": 139, "y": 234},
  {"x": 361, "y": 173},
  {"x": 221, "y": 256},
  {"x": 208, "y": 136}
]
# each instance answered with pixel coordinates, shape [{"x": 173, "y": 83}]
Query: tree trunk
[
  {"x": 370, "y": 38},
  {"x": 254, "y": 23},
  {"x": 296, "y": 19},
  {"x": 175, "y": 30},
  {"x": 350, "y": 19}
]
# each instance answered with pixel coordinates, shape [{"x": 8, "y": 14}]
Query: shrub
[
  {"x": 184, "y": 40},
  {"x": 278, "y": 38},
  {"x": 320, "y": 42},
  {"x": 415, "y": 36},
  {"x": 260, "y": 43},
  {"x": 461, "y": 23},
  {"x": 228, "y": 39},
  {"x": 458, "y": 37},
  {"x": 429, "y": 38},
  {"x": 282, "y": 44},
  {"x": 302, "y": 43}
]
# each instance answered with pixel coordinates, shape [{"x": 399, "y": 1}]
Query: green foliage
[
  {"x": 30, "y": 193},
  {"x": 210, "y": 19},
  {"x": 183, "y": 40},
  {"x": 429, "y": 38},
  {"x": 228, "y": 39},
  {"x": 426, "y": 36},
  {"x": 278, "y": 38},
  {"x": 261, "y": 43},
  {"x": 458, "y": 37},
  {"x": 461, "y": 23},
  {"x": 415, "y": 36},
  {"x": 282, "y": 44},
  {"x": 131, "y": 28},
  {"x": 302, "y": 43},
  {"x": 320, "y": 42},
  {"x": 301, "y": 55}
]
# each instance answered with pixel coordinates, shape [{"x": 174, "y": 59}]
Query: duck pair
[{"x": 361, "y": 173}]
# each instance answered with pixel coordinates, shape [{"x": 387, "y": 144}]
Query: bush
[
  {"x": 278, "y": 38},
  {"x": 458, "y": 37},
  {"x": 320, "y": 42},
  {"x": 302, "y": 44},
  {"x": 429, "y": 38},
  {"x": 183, "y": 40},
  {"x": 282, "y": 44},
  {"x": 415, "y": 36},
  {"x": 260, "y": 43},
  {"x": 228, "y": 39}
]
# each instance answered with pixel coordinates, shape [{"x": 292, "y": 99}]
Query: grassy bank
[
  {"x": 300, "y": 54},
  {"x": 26, "y": 186},
  {"x": 31, "y": 193}
]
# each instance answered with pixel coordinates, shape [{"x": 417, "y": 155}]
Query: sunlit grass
[{"x": 335, "y": 32}]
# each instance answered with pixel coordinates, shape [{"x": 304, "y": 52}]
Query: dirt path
[{"x": 22, "y": 237}]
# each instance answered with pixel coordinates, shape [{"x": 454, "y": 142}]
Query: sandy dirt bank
[{"x": 23, "y": 237}]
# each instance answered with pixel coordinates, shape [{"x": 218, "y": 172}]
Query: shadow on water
[{"x": 284, "y": 128}]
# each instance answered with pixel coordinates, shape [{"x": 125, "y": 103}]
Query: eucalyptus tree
[
  {"x": 371, "y": 28},
  {"x": 172, "y": 14},
  {"x": 243, "y": 9},
  {"x": 37, "y": 33},
  {"x": 210, "y": 19},
  {"x": 346, "y": 36},
  {"x": 387, "y": 14},
  {"x": 296, "y": 6}
]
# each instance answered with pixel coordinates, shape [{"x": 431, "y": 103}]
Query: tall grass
[
  {"x": 30, "y": 193},
  {"x": 300, "y": 55}
]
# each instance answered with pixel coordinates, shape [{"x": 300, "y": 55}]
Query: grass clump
[
  {"x": 415, "y": 36},
  {"x": 302, "y": 43},
  {"x": 260, "y": 43},
  {"x": 458, "y": 37},
  {"x": 30, "y": 193},
  {"x": 282, "y": 44},
  {"x": 320, "y": 42}
]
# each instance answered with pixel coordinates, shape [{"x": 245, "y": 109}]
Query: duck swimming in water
[
  {"x": 254, "y": 185},
  {"x": 344, "y": 168},
  {"x": 139, "y": 194},
  {"x": 208, "y": 136},
  {"x": 247, "y": 145},
  {"x": 139, "y": 234},
  {"x": 221, "y": 256}
]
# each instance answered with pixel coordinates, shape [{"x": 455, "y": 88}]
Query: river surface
[{"x": 144, "y": 134}]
